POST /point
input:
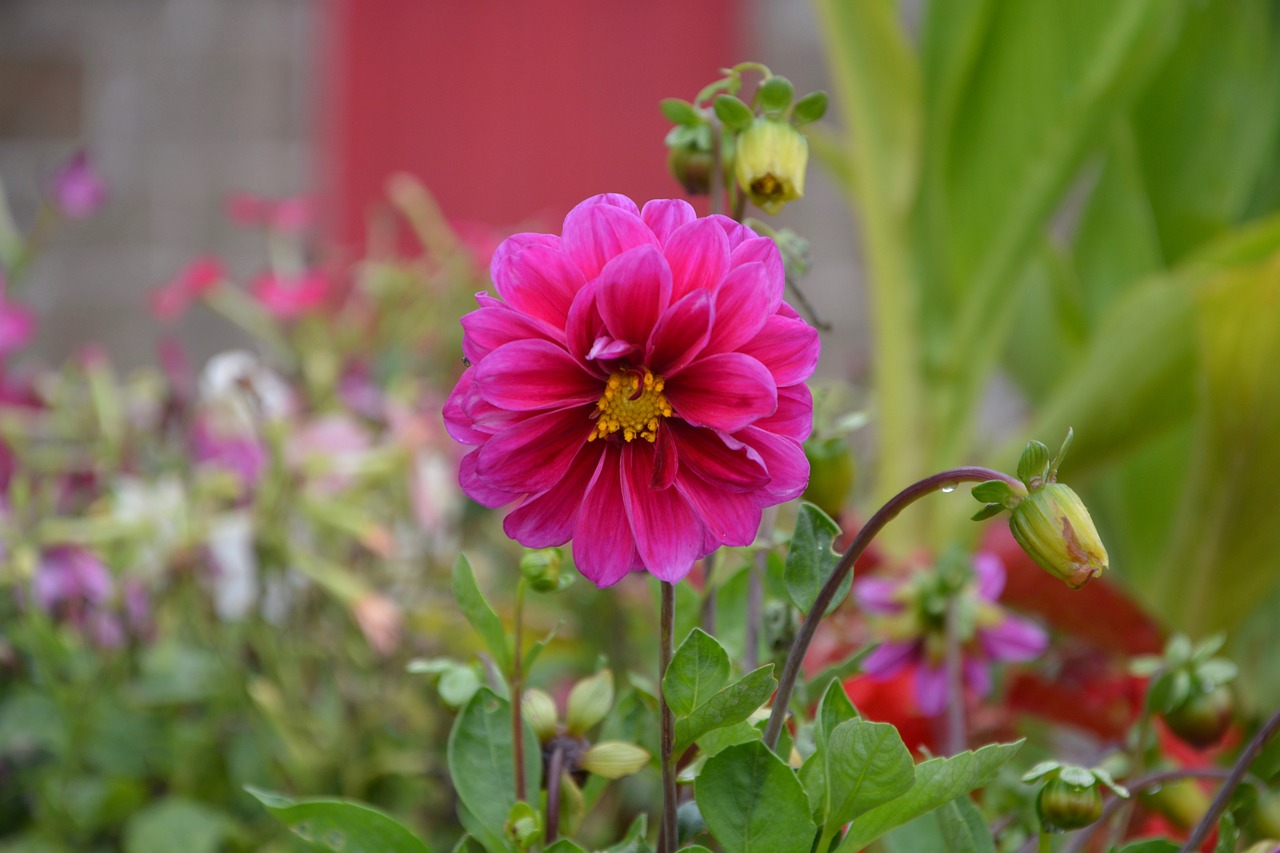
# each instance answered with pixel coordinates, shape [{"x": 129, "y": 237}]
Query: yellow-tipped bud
[
  {"x": 589, "y": 701},
  {"x": 771, "y": 161},
  {"x": 1053, "y": 526},
  {"x": 540, "y": 713},
  {"x": 613, "y": 759}
]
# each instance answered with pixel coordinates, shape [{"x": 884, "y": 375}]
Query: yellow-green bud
[
  {"x": 771, "y": 160},
  {"x": 541, "y": 568},
  {"x": 1053, "y": 526},
  {"x": 540, "y": 713},
  {"x": 589, "y": 701},
  {"x": 613, "y": 759}
]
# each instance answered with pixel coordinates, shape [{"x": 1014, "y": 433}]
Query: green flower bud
[
  {"x": 771, "y": 161},
  {"x": 1204, "y": 717},
  {"x": 613, "y": 759},
  {"x": 541, "y": 568},
  {"x": 539, "y": 711},
  {"x": 831, "y": 474},
  {"x": 1062, "y": 805},
  {"x": 1053, "y": 526},
  {"x": 589, "y": 701}
]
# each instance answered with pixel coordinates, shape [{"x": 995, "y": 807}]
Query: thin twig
[
  {"x": 1238, "y": 771},
  {"x": 555, "y": 768},
  {"x": 517, "y": 685}
]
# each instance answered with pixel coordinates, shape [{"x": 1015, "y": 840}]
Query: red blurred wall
[{"x": 510, "y": 109}]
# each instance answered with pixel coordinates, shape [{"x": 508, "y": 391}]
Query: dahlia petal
[
  {"x": 665, "y": 215},
  {"x": 488, "y": 328},
  {"x": 457, "y": 423},
  {"x": 632, "y": 292},
  {"x": 478, "y": 488},
  {"x": 989, "y": 572},
  {"x": 742, "y": 307},
  {"x": 548, "y": 519},
  {"x": 931, "y": 690},
  {"x": 606, "y": 348},
  {"x": 603, "y": 547},
  {"x": 725, "y": 392},
  {"x": 733, "y": 229},
  {"x": 877, "y": 595},
  {"x": 533, "y": 454},
  {"x": 698, "y": 253},
  {"x": 584, "y": 327},
  {"x": 785, "y": 459},
  {"x": 666, "y": 459},
  {"x": 1013, "y": 640},
  {"x": 718, "y": 458},
  {"x": 617, "y": 200},
  {"x": 789, "y": 348},
  {"x": 533, "y": 275},
  {"x": 730, "y": 518},
  {"x": 765, "y": 251},
  {"x": 794, "y": 417},
  {"x": 977, "y": 676},
  {"x": 680, "y": 334},
  {"x": 534, "y": 374},
  {"x": 667, "y": 533},
  {"x": 889, "y": 658},
  {"x": 595, "y": 234}
]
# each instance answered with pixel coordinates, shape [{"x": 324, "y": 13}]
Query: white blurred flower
[
  {"x": 240, "y": 392},
  {"x": 235, "y": 579}
]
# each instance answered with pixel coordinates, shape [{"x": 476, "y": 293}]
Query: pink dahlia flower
[{"x": 639, "y": 387}]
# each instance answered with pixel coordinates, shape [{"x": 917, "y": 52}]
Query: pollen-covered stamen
[{"x": 632, "y": 404}]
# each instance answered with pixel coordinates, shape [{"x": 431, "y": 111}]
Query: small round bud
[
  {"x": 589, "y": 702},
  {"x": 1203, "y": 718},
  {"x": 1053, "y": 526},
  {"x": 771, "y": 162},
  {"x": 613, "y": 759},
  {"x": 541, "y": 568},
  {"x": 1063, "y": 806},
  {"x": 692, "y": 168},
  {"x": 539, "y": 711}
]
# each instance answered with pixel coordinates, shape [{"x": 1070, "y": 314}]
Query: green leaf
[
  {"x": 775, "y": 94},
  {"x": 938, "y": 781},
  {"x": 963, "y": 829},
  {"x": 478, "y": 612},
  {"x": 564, "y": 845},
  {"x": 988, "y": 511},
  {"x": 482, "y": 768},
  {"x": 994, "y": 492},
  {"x": 201, "y": 828},
  {"x": 810, "y": 559},
  {"x": 679, "y": 111},
  {"x": 866, "y": 765},
  {"x": 733, "y": 112},
  {"x": 1155, "y": 845},
  {"x": 751, "y": 800},
  {"x": 833, "y": 709},
  {"x": 327, "y": 825},
  {"x": 634, "y": 841},
  {"x": 699, "y": 668},
  {"x": 839, "y": 671},
  {"x": 810, "y": 108},
  {"x": 730, "y": 705}
]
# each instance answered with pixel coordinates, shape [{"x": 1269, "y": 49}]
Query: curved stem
[
  {"x": 1238, "y": 771},
  {"x": 667, "y": 838},
  {"x": 555, "y": 768},
  {"x": 886, "y": 513}
]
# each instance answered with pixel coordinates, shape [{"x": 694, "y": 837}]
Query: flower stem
[
  {"x": 1238, "y": 771},
  {"x": 555, "y": 768},
  {"x": 886, "y": 513},
  {"x": 666, "y": 643},
  {"x": 955, "y": 681},
  {"x": 1046, "y": 845},
  {"x": 516, "y": 683}
]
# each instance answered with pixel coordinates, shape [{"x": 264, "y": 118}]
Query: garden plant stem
[
  {"x": 517, "y": 685},
  {"x": 555, "y": 767},
  {"x": 955, "y": 681},
  {"x": 666, "y": 642},
  {"x": 1238, "y": 771},
  {"x": 886, "y": 513}
]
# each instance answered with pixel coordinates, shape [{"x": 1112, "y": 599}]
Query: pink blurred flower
[
  {"x": 171, "y": 300},
  {"x": 17, "y": 326},
  {"x": 74, "y": 586},
  {"x": 330, "y": 449},
  {"x": 78, "y": 189},
  {"x": 289, "y": 215},
  {"x": 915, "y": 635},
  {"x": 639, "y": 388},
  {"x": 243, "y": 455},
  {"x": 288, "y": 297}
]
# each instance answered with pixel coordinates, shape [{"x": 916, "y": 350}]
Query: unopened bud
[
  {"x": 540, "y": 713},
  {"x": 541, "y": 568},
  {"x": 1053, "y": 526},
  {"x": 1204, "y": 717},
  {"x": 1063, "y": 806},
  {"x": 771, "y": 160},
  {"x": 613, "y": 759},
  {"x": 831, "y": 474},
  {"x": 589, "y": 701}
]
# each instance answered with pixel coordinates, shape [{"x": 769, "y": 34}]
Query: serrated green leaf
[
  {"x": 564, "y": 845},
  {"x": 330, "y": 824},
  {"x": 731, "y": 704},
  {"x": 699, "y": 668},
  {"x": 733, "y": 112},
  {"x": 751, "y": 800},
  {"x": 810, "y": 559},
  {"x": 812, "y": 107},
  {"x": 679, "y": 111},
  {"x": 962, "y": 829},
  {"x": 866, "y": 765},
  {"x": 833, "y": 709},
  {"x": 938, "y": 781},
  {"x": 839, "y": 671},
  {"x": 479, "y": 614}
]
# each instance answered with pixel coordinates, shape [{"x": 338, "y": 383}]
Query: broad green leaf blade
[
  {"x": 483, "y": 769},
  {"x": 810, "y": 559},
  {"x": 866, "y": 765},
  {"x": 478, "y": 612},
  {"x": 938, "y": 781},
  {"x": 732, "y": 704},
  {"x": 328, "y": 825},
  {"x": 750, "y": 800},
  {"x": 564, "y": 845},
  {"x": 699, "y": 668},
  {"x": 833, "y": 709},
  {"x": 963, "y": 829}
]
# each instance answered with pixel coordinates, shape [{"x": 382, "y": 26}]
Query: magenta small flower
[
  {"x": 172, "y": 299},
  {"x": 78, "y": 189},
  {"x": 290, "y": 296},
  {"x": 639, "y": 387},
  {"x": 905, "y": 613}
]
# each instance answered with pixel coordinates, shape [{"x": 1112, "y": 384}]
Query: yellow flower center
[
  {"x": 632, "y": 404},
  {"x": 768, "y": 186}
]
